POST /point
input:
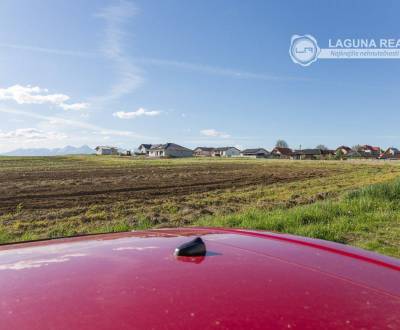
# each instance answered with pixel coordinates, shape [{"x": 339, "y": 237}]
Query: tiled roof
[{"x": 283, "y": 151}]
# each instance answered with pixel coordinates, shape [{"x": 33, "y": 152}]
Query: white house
[
  {"x": 255, "y": 153},
  {"x": 169, "y": 150},
  {"x": 226, "y": 152},
  {"x": 203, "y": 151},
  {"x": 144, "y": 149},
  {"x": 392, "y": 153},
  {"x": 106, "y": 150}
]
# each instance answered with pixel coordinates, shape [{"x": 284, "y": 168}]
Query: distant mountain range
[{"x": 68, "y": 150}]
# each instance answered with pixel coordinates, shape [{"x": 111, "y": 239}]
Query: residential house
[
  {"x": 313, "y": 154},
  {"x": 391, "y": 153},
  {"x": 225, "y": 152},
  {"x": 203, "y": 151},
  {"x": 281, "y": 153},
  {"x": 368, "y": 151},
  {"x": 255, "y": 153},
  {"x": 144, "y": 149},
  {"x": 169, "y": 150},
  {"x": 327, "y": 154},
  {"x": 124, "y": 152},
  {"x": 106, "y": 150},
  {"x": 344, "y": 150},
  {"x": 307, "y": 154}
]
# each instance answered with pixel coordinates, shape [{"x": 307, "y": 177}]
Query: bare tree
[{"x": 281, "y": 144}]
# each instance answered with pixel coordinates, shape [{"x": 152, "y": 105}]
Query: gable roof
[
  {"x": 225, "y": 148},
  {"x": 105, "y": 147},
  {"x": 255, "y": 151},
  {"x": 314, "y": 151},
  {"x": 283, "y": 151},
  {"x": 327, "y": 152},
  {"x": 372, "y": 148},
  {"x": 344, "y": 147},
  {"x": 145, "y": 145},
  {"x": 156, "y": 146},
  {"x": 204, "y": 148},
  {"x": 308, "y": 152},
  {"x": 395, "y": 150},
  {"x": 169, "y": 146}
]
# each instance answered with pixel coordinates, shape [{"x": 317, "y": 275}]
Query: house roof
[
  {"x": 308, "y": 152},
  {"x": 395, "y": 150},
  {"x": 283, "y": 151},
  {"x": 145, "y": 145},
  {"x": 327, "y": 152},
  {"x": 344, "y": 147},
  {"x": 105, "y": 147},
  {"x": 169, "y": 146},
  {"x": 204, "y": 148},
  {"x": 224, "y": 148},
  {"x": 255, "y": 151},
  {"x": 372, "y": 148},
  {"x": 156, "y": 146}
]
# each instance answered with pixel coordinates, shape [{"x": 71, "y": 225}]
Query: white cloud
[
  {"x": 214, "y": 133},
  {"x": 60, "y": 122},
  {"x": 134, "y": 114},
  {"x": 31, "y": 134},
  {"x": 31, "y": 95},
  {"x": 36, "y": 95},
  {"x": 75, "y": 106},
  {"x": 129, "y": 77}
]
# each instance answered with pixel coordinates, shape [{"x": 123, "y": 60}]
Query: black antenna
[{"x": 194, "y": 248}]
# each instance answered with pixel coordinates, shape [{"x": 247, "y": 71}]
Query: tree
[
  {"x": 322, "y": 147},
  {"x": 339, "y": 155},
  {"x": 356, "y": 147},
  {"x": 281, "y": 144}
]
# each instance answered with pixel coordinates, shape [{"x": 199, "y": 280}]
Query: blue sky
[{"x": 195, "y": 73}]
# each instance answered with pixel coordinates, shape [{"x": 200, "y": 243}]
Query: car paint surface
[{"x": 248, "y": 279}]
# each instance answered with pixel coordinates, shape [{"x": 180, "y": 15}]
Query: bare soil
[{"x": 42, "y": 189}]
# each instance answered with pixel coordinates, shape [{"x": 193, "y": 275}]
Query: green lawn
[{"x": 368, "y": 218}]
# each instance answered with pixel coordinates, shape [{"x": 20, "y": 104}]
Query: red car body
[{"x": 248, "y": 279}]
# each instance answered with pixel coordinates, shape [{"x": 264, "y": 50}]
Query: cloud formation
[
  {"x": 129, "y": 78},
  {"x": 134, "y": 114},
  {"x": 214, "y": 133},
  {"x": 62, "y": 123},
  {"x": 31, "y": 134},
  {"x": 36, "y": 95}
]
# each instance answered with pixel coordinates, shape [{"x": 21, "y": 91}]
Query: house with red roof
[{"x": 368, "y": 151}]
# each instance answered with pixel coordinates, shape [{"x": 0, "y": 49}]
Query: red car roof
[{"x": 253, "y": 280}]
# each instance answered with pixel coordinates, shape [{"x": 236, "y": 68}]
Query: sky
[{"x": 197, "y": 73}]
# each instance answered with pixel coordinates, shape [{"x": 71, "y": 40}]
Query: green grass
[{"x": 368, "y": 218}]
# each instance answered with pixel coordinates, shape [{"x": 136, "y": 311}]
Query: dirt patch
[{"x": 70, "y": 188}]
